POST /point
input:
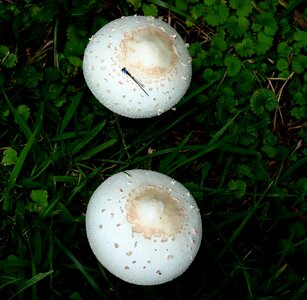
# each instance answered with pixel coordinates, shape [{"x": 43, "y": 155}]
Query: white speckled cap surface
[
  {"x": 143, "y": 226},
  {"x": 155, "y": 56}
]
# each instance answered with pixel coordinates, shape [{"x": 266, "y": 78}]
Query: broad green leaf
[
  {"x": 282, "y": 64},
  {"x": 234, "y": 65},
  {"x": 7, "y": 59},
  {"x": 270, "y": 150},
  {"x": 299, "y": 113},
  {"x": 268, "y": 23},
  {"x": 244, "y": 170},
  {"x": 75, "y": 61},
  {"x": 76, "y": 42},
  {"x": 299, "y": 63},
  {"x": 74, "y": 296},
  {"x": 283, "y": 49},
  {"x": 9, "y": 157},
  {"x": 4, "y": 52},
  {"x": 218, "y": 41},
  {"x": 197, "y": 11},
  {"x": 246, "y": 80},
  {"x": 24, "y": 111},
  {"x": 237, "y": 26},
  {"x": 150, "y": 10},
  {"x": 238, "y": 187},
  {"x": 246, "y": 47},
  {"x": 28, "y": 76},
  {"x": 243, "y": 7},
  {"x": 263, "y": 44},
  {"x": 286, "y": 246},
  {"x": 11, "y": 60},
  {"x": 136, "y": 4},
  {"x": 299, "y": 98},
  {"x": 217, "y": 14},
  {"x": 40, "y": 200},
  {"x": 263, "y": 100},
  {"x": 301, "y": 37},
  {"x": 182, "y": 4}
]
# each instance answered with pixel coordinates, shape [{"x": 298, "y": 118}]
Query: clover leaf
[
  {"x": 243, "y": 7},
  {"x": 234, "y": 65},
  {"x": 263, "y": 100}
]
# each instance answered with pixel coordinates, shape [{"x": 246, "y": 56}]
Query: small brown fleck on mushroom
[
  {"x": 127, "y": 268},
  {"x": 129, "y": 253},
  {"x": 116, "y": 245},
  {"x": 158, "y": 272},
  {"x": 118, "y": 224},
  {"x": 103, "y": 210},
  {"x": 134, "y": 261},
  {"x": 100, "y": 226}
]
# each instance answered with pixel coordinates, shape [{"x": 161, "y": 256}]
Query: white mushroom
[
  {"x": 137, "y": 66},
  {"x": 143, "y": 226}
]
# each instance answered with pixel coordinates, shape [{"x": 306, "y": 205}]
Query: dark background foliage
[{"x": 236, "y": 141}]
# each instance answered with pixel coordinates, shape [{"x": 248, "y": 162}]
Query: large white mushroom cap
[
  {"x": 143, "y": 226},
  {"x": 154, "y": 55}
]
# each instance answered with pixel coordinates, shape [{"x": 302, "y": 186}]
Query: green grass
[{"x": 236, "y": 141}]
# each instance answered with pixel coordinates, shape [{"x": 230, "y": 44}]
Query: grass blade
[
  {"x": 34, "y": 280},
  {"x": 80, "y": 144},
  {"x": 17, "y": 168},
  {"x": 80, "y": 267}
]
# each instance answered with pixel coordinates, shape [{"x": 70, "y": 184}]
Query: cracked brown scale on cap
[
  {"x": 156, "y": 43},
  {"x": 151, "y": 235},
  {"x": 163, "y": 218}
]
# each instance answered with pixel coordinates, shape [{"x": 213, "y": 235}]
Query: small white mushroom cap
[
  {"x": 143, "y": 226},
  {"x": 152, "y": 52}
]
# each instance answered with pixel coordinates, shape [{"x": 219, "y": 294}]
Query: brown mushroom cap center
[
  {"x": 153, "y": 212},
  {"x": 148, "y": 52}
]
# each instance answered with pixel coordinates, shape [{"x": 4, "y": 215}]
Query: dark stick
[{"x": 125, "y": 71}]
